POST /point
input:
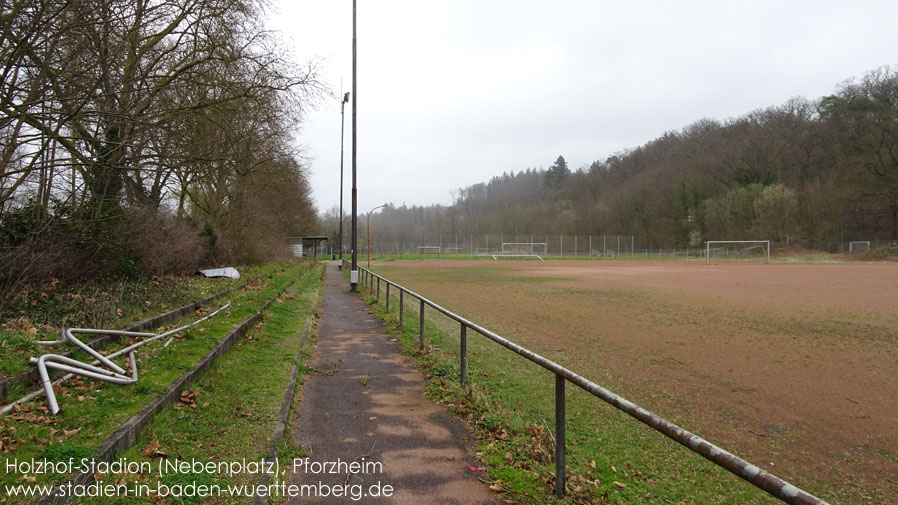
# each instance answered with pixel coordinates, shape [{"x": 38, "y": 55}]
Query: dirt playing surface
[{"x": 793, "y": 367}]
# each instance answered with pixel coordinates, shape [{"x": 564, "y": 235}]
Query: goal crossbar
[
  {"x": 763, "y": 244},
  {"x": 853, "y": 245},
  {"x": 535, "y": 247}
]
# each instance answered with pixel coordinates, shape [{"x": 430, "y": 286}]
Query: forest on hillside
[
  {"x": 142, "y": 137},
  {"x": 806, "y": 173}
]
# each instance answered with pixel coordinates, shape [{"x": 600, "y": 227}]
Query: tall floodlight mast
[{"x": 354, "y": 274}]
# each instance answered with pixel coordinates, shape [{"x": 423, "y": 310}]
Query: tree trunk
[{"x": 895, "y": 219}]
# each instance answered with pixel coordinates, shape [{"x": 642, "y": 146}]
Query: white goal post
[
  {"x": 748, "y": 247},
  {"x": 423, "y": 249},
  {"x": 858, "y": 245}
]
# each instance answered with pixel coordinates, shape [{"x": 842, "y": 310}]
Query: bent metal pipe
[
  {"x": 115, "y": 374},
  {"x": 74, "y": 366}
]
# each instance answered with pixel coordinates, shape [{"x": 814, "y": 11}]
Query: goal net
[
  {"x": 523, "y": 248},
  {"x": 858, "y": 245},
  {"x": 745, "y": 250}
]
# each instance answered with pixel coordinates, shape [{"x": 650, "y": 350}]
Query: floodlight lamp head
[{"x": 346, "y": 97}]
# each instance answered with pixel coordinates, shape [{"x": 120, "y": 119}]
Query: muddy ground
[{"x": 793, "y": 367}]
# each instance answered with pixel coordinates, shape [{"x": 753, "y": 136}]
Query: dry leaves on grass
[
  {"x": 255, "y": 285},
  {"x": 26, "y": 415},
  {"x": 152, "y": 450},
  {"x": 7, "y": 444},
  {"x": 83, "y": 385},
  {"x": 188, "y": 398}
]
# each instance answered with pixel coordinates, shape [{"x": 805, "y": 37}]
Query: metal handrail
[{"x": 770, "y": 483}]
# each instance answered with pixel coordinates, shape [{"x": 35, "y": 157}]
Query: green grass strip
[{"x": 230, "y": 413}]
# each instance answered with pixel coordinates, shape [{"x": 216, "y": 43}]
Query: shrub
[{"x": 162, "y": 243}]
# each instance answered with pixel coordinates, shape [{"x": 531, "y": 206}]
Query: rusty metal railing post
[
  {"x": 464, "y": 356},
  {"x": 401, "y": 306},
  {"x": 372, "y": 283},
  {"x": 559, "y": 435},
  {"x": 421, "y": 330},
  {"x": 378, "y": 290},
  {"x": 388, "y": 298}
]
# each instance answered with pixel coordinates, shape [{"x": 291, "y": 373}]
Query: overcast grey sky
[{"x": 451, "y": 93}]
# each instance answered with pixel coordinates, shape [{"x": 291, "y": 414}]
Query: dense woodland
[
  {"x": 145, "y": 137},
  {"x": 804, "y": 174}
]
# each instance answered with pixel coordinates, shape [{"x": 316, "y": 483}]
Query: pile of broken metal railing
[{"x": 112, "y": 372}]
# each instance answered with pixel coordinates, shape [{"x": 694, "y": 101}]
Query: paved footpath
[{"x": 366, "y": 404}]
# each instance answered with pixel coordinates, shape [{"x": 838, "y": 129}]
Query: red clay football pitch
[{"x": 791, "y": 366}]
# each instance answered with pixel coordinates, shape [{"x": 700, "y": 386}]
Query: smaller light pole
[
  {"x": 368, "y": 237},
  {"x": 342, "y": 128}
]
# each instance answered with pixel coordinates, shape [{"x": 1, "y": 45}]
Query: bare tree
[{"x": 865, "y": 118}]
